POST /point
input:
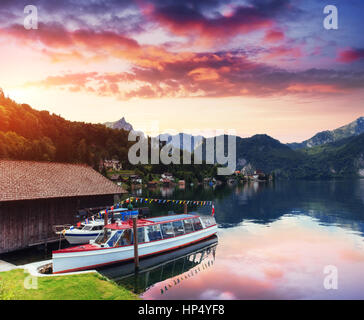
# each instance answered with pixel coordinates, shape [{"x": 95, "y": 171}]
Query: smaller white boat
[
  {"x": 115, "y": 243},
  {"x": 90, "y": 228}
]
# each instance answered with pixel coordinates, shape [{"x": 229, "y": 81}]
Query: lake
[{"x": 281, "y": 240}]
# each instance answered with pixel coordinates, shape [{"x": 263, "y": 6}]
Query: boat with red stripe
[{"x": 115, "y": 243}]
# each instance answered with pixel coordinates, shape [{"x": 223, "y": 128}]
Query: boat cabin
[
  {"x": 152, "y": 229},
  {"x": 92, "y": 226}
]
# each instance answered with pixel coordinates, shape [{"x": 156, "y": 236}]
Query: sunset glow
[{"x": 253, "y": 66}]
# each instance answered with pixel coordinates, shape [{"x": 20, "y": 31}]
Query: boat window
[
  {"x": 167, "y": 230},
  {"x": 126, "y": 238},
  {"x": 114, "y": 239},
  {"x": 197, "y": 224},
  {"x": 103, "y": 236},
  {"x": 154, "y": 232},
  {"x": 208, "y": 221},
  {"x": 188, "y": 225},
  {"x": 178, "y": 228},
  {"x": 141, "y": 235},
  {"x": 87, "y": 228}
]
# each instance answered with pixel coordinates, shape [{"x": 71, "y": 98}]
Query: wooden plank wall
[{"x": 27, "y": 223}]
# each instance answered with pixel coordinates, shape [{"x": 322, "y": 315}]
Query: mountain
[
  {"x": 262, "y": 152},
  {"x": 177, "y": 140},
  {"x": 120, "y": 124},
  {"x": 265, "y": 153},
  {"x": 354, "y": 128},
  {"x": 343, "y": 158},
  {"x": 340, "y": 159}
]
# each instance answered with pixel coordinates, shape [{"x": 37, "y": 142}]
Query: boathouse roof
[{"x": 26, "y": 180}]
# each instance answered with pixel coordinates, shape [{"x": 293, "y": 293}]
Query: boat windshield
[
  {"x": 114, "y": 238},
  {"x": 103, "y": 236},
  {"x": 119, "y": 238},
  {"x": 126, "y": 238}
]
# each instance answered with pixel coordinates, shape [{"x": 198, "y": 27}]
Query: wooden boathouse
[{"x": 35, "y": 196}]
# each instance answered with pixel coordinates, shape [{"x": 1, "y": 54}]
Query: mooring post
[
  {"x": 106, "y": 222},
  {"x": 135, "y": 238},
  {"x": 106, "y": 218},
  {"x": 185, "y": 208}
]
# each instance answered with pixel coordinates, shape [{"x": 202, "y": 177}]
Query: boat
[
  {"x": 115, "y": 243},
  {"x": 90, "y": 228}
]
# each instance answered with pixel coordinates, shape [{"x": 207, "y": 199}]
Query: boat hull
[
  {"x": 73, "y": 238},
  {"x": 87, "y": 259}
]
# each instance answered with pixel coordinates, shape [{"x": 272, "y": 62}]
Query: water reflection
[
  {"x": 167, "y": 270},
  {"x": 275, "y": 240},
  {"x": 284, "y": 259}
]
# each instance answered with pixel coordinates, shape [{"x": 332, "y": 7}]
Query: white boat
[
  {"x": 90, "y": 228},
  {"x": 115, "y": 243}
]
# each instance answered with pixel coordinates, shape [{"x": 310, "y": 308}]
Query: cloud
[
  {"x": 222, "y": 74},
  {"x": 207, "y": 25},
  {"x": 274, "y": 36},
  {"x": 350, "y": 55},
  {"x": 171, "y": 68}
]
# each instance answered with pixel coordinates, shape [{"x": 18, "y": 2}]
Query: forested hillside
[{"x": 28, "y": 134}]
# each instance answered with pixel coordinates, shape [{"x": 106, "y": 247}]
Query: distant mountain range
[
  {"x": 328, "y": 154},
  {"x": 340, "y": 159},
  {"x": 354, "y": 128},
  {"x": 177, "y": 140}
]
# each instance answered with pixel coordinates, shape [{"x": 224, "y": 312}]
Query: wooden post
[
  {"x": 135, "y": 236},
  {"x": 185, "y": 209},
  {"x": 106, "y": 220},
  {"x": 112, "y": 217}
]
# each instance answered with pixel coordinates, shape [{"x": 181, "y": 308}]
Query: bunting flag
[{"x": 161, "y": 201}]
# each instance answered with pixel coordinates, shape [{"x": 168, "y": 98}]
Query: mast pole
[{"x": 135, "y": 236}]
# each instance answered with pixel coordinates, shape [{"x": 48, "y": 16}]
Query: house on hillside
[
  {"x": 115, "y": 178},
  {"x": 111, "y": 164},
  {"x": 135, "y": 179},
  {"x": 167, "y": 179},
  {"x": 167, "y": 176},
  {"x": 259, "y": 175},
  {"x": 35, "y": 196}
]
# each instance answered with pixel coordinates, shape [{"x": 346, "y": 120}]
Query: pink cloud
[
  {"x": 272, "y": 36},
  {"x": 350, "y": 55}
]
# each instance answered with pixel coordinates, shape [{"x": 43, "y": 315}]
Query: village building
[
  {"x": 115, "y": 177},
  {"x": 167, "y": 176},
  {"x": 35, "y": 196},
  {"x": 135, "y": 179},
  {"x": 111, "y": 164}
]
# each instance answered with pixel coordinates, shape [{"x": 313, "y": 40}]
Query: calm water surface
[{"x": 274, "y": 241}]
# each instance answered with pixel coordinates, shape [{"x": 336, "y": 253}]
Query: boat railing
[{"x": 60, "y": 227}]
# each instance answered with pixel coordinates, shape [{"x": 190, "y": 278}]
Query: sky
[{"x": 263, "y": 66}]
